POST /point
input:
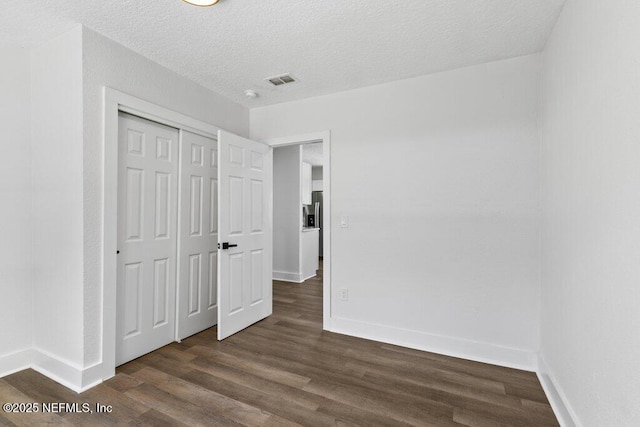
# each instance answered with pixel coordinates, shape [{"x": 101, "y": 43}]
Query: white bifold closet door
[
  {"x": 198, "y": 246},
  {"x": 147, "y": 236}
]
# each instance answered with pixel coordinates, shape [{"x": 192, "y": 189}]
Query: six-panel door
[
  {"x": 245, "y": 220},
  {"x": 198, "y": 246},
  {"x": 147, "y": 236}
]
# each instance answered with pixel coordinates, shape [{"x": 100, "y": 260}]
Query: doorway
[{"x": 325, "y": 253}]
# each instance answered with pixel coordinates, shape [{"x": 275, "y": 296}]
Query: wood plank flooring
[{"x": 286, "y": 371}]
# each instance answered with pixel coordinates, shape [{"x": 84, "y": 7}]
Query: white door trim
[
  {"x": 115, "y": 101},
  {"x": 325, "y": 138}
]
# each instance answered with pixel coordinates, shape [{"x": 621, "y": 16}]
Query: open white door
[{"x": 245, "y": 233}]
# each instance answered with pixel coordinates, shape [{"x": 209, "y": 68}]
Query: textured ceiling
[{"x": 329, "y": 45}]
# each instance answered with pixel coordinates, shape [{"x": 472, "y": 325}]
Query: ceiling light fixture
[
  {"x": 251, "y": 94},
  {"x": 202, "y": 3}
]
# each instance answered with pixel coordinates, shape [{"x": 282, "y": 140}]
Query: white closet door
[
  {"x": 198, "y": 251},
  {"x": 147, "y": 236},
  {"x": 246, "y": 221}
]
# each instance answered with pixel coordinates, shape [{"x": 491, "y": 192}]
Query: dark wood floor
[{"x": 286, "y": 371}]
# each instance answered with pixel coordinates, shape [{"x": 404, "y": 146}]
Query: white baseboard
[
  {"x": 63, "y": 372},
  {"x": 92, "y": 376},
  {"x": 449, "y": 346},
  {"x": 14, "y": 362},
  {"x": 286, "y": 276},
  {"x": 564, "y": 412},
  {"x": 309, "y": 277}
]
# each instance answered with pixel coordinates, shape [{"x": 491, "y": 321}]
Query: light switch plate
[{"x": 344, "y": 221}]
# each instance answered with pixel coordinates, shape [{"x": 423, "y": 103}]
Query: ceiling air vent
[{"x": 281, "y": 80}]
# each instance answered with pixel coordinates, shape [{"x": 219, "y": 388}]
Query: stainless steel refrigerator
[{"x": 316, "y": 202}]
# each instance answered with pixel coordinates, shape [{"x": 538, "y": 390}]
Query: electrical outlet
[{"x": 344, "y": 294}]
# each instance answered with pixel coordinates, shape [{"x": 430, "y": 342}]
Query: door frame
[
  {"x": 325, "y": 138},
  {"x": 114, "y": 102}
]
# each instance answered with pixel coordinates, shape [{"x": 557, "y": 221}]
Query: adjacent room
[{"x": 230, "y": 212}]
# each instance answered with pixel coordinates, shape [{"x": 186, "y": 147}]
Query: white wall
[
  {"x": 442, "y": 251},
  {"x": 56, "y": 111},
  {"x": 54, "y": 179},
  {"x": 15, "y": 215},
  {"x": 316, "y": 173},
  {"x": 287, "y": 211},
  {"x": 591, "y": 209}
]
